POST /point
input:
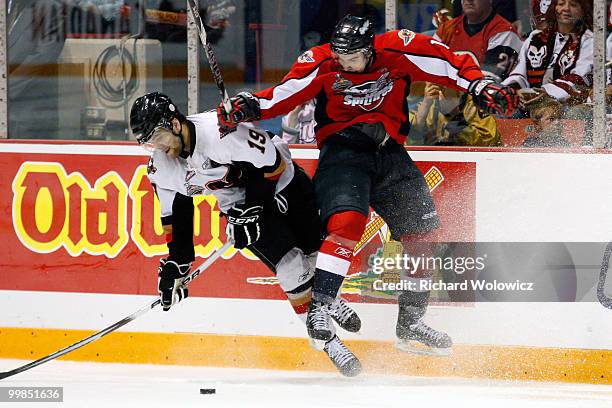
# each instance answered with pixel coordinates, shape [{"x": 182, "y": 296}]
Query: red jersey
[
  {"x": 376, "y": 95},
  {"x": 494, "y": 42}
]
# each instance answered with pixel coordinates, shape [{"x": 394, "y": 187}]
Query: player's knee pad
[
  {"x": 347, "y": 224},
  {"x": 295, "y": 271}
]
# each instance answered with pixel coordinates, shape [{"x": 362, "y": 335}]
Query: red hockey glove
[
  {"x": 244, "y": 108},
  {"x": 492, "y": 97}
]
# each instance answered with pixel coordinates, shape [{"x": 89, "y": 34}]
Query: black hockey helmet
[
  {"x": 352, "y": 34},
  {"x": 151, "y": 111}
]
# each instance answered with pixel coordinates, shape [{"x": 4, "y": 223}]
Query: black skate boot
[
  {"x": 414, "y": 336},
  {"x": 344, "y": 360},
  {"x": 318, "y": 322},
  {"x": 346, "y": 317}
]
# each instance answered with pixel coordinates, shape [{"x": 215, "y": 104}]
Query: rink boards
[{"x": 81, "y": 246}]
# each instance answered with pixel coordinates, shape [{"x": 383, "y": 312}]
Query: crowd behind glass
[{"x": 76, "y": 65}]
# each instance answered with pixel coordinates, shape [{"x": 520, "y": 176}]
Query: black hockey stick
[
  {"x": 120, "y": 323},
  {"x": 603, "y": 274},
  {"x": 210, "y": 55}
]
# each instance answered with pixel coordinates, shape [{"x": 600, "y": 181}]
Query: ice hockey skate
[
  {"x": 345, "y": 361},
  {"x": 418, "y": 338},
  {"x": 319, "y": 323},
  {"x": 344, "y": 316}
]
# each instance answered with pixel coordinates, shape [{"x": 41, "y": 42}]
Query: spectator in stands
[
  {"x": 546, "y": 118},
  {"x": 298, "y": 125},
  {"x": 36, "y": 38},
  {"x": 447, "y": 117},
  {"x": 557, "y": 61},
  {"x": 539, "y": 19},
  {"x": 505, "y": 8},
  {"x": 490, "y": 38}
]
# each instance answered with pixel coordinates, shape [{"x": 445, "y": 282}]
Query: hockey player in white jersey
[{"x": 268, "y": 201}]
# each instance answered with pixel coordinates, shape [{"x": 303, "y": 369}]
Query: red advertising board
[{"x": 89, "y": 223}]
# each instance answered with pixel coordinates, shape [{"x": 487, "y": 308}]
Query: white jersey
[
  {"x": 559, "y": 70},
  {"x": 210, "y": 168}
]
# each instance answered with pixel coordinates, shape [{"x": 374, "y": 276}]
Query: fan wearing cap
[{"x": 360, "y": 82}]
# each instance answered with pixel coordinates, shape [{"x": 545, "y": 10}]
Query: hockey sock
[
  {"x": 333, "y": 264},
  {"x": 334, "y": 260},
  {"x": 295, "y": 272},
  {"x": 300, "y": 299}
]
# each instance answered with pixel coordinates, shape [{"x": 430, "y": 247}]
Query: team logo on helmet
[
  {"x": 406, "y": 36},
  {"x": 369, "y": 95},
  {"x": 364, "y": 28},
  {"x": 306, "y": 57}
]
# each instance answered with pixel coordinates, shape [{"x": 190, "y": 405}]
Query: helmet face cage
[
  {"x": 352, "y": 34},
  {"x": 149, "y": 112}
]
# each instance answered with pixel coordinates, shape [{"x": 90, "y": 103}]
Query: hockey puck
[{"x": 207, "y": 391}]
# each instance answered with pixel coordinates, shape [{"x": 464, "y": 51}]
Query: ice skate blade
[
  {"x": 415, "y": 347},
  {"x": 318, "y": 345}
]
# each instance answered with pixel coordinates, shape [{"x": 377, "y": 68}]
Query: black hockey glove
[
  {"x": 244, "y": 108},
  {"x": 492, "y": 97},
  {"x": 243, "y": 225},
  {"x": 170, "y": 284}
]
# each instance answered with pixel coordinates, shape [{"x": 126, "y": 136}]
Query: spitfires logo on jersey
[
  {"x": 305, "y": 57},
  {"x": 369, "y": 95},
  {"x": 406, "y": 35}
]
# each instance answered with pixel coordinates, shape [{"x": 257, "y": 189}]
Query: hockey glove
[
  {"x": 244, "y": 108},
  {"x": 170, "y": 284},
  {"x": 492, "y": 97},
  {"x": 243, "y": 225}
]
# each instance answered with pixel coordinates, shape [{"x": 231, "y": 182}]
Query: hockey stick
[
  {"x": 212, "y": 61},
  {"x": 120, "y": 323},
  {"x": 601, "y": 296}
]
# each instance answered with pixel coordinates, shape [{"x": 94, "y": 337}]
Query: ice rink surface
[{"x": 92, "y": 385}]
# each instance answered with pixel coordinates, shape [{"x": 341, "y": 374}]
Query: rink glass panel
[{"x": 71, "y": 77}]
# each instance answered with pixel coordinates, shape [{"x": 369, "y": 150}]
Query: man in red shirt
[
  {"x": 360, "y": 82},
  {"x": 481, "y": 31}
]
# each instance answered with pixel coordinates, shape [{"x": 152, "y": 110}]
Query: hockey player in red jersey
[
  {"x": 360, "y": 82},
  {"x": 268, "y": 201}
]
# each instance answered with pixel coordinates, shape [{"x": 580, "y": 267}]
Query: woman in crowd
[{"x": 556, "y": 60}]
